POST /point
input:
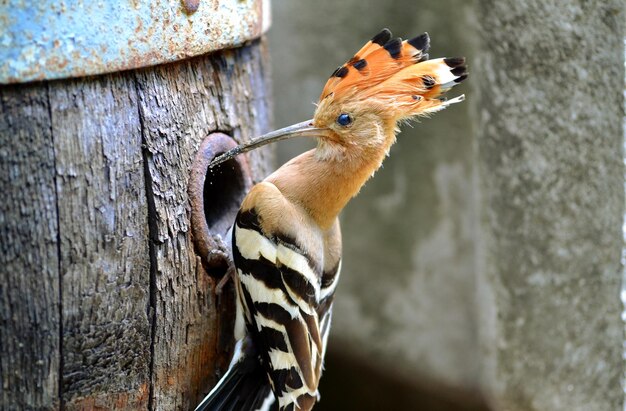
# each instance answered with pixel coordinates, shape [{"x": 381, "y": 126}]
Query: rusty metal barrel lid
[{"x": 51, "y": 39}]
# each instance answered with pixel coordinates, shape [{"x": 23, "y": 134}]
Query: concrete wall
[
  {"x": 485, "y": 254},
  {"x": 548, "y": 108}
]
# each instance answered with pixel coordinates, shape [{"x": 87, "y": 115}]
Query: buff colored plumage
[{"x": 286, "y": 238}]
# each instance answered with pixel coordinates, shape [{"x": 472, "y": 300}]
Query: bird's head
[
  {"x": 387, "y": 81},
  {"x": 350, "y": 123}
]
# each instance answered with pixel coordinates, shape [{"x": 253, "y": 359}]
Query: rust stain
[
  {"x": 122, "y": 401},
  {"x": 56, "y": 62},
  {"x": 190, "y": 6},
  {"x": 137, "y": 399},
  {"x": 75, "y": 55},
  {"x": 139, "y": 27},
  {"x": 171, "y": 381},
  {"x": 144, "y": 393},
  {"x": 141, "y": 60},
  {"x": 138, "y": 35},
  {"x": 202, "y": 277},
  {"x": 207, "y": 350},
  {"x": 195, "y": 368}
]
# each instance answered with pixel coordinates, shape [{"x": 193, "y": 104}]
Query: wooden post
[{"x": 104, "y": 301}]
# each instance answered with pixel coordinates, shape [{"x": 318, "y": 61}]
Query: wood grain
[
  {"x": 30, "y": 356},
  {"x": 104, "y": 302},
  {"x": 217, "y": 96},
  {"x": 103, "y": 241}
]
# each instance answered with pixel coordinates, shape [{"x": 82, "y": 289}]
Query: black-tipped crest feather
[
  {"x": 382, "y": 37},
  {"x": 360, "y": 64},
  {"x": 454, "y": 61},
  {"x": 458, "y": 71},
  {"x": 421, "y": 42},
  {"x": 394, "y": 47}
]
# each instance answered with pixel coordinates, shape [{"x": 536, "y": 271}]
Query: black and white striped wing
[{"x": 280, "y": 293}]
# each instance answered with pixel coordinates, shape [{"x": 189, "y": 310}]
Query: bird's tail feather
[{"x": 244, "y": 387}]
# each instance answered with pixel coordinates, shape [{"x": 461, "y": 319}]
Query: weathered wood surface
[
  {"x": 103, "y": 245},
  {"x": 30, "y": 360},
  {"x": 104, "y": 302},
  {"x": 225, "y": 93}
]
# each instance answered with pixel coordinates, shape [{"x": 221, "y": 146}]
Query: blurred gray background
[
  {"x": 409, "y": 232},
  {"x": 483, "y": 258}
]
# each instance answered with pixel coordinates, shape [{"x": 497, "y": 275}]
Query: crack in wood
[
  {"x": 59, "y": 254},
  {"x": 152, "y": 236}
]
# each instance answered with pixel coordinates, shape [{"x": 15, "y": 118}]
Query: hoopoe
[{"x": 286, "y": 240}]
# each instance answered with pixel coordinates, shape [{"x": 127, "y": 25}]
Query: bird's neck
[{"x": 323, "y": 184}]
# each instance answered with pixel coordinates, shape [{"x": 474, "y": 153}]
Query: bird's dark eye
[{"x": 344, "y": 119}]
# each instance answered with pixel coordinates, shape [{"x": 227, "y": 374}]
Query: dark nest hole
[
  {"x": 215, "y": 195},
  {"x": 224, "y": 190}
]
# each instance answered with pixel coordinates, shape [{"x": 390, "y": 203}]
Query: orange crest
[{"x": 397, "y": 74}]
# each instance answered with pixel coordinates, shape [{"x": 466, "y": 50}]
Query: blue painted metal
[{"x": 46, "y": 39}]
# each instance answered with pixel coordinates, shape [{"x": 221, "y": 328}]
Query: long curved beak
[{"x": 304, "y": 129}]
